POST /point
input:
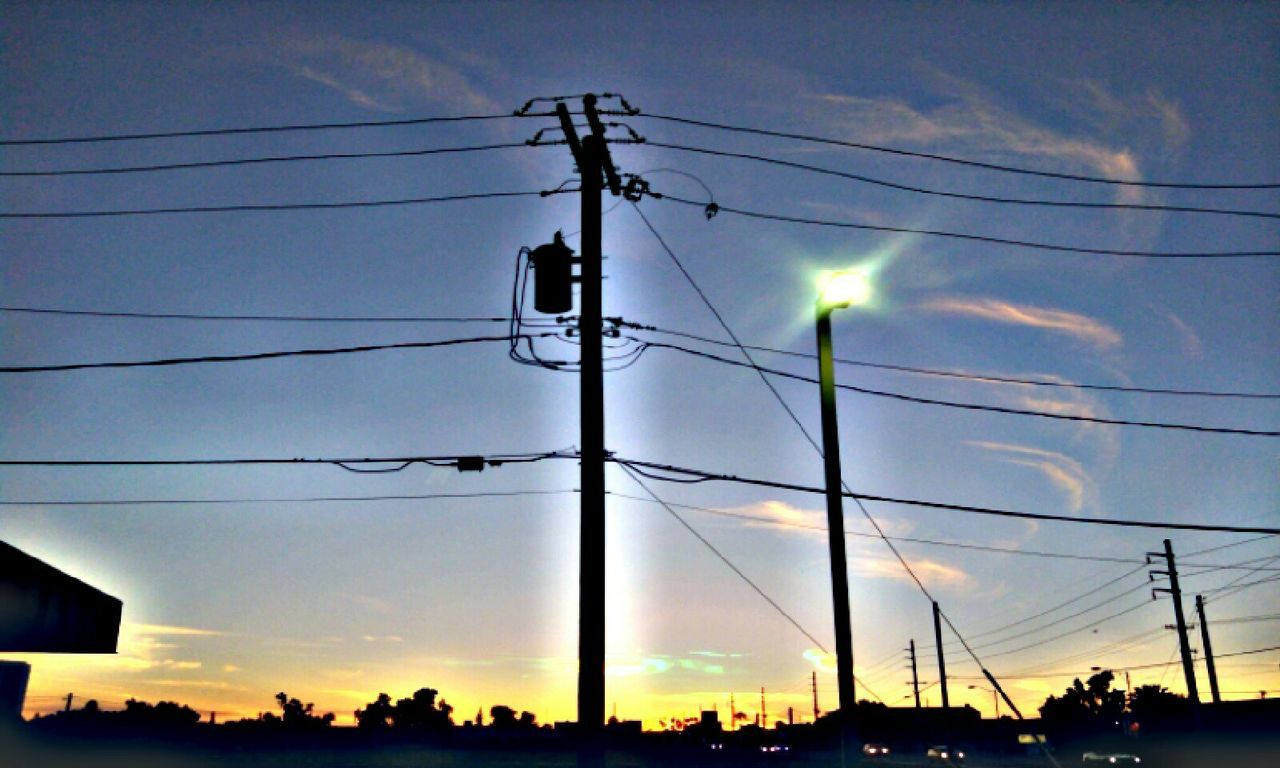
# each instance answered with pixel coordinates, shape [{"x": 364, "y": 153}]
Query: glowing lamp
[{"x": 844, "y": 288}]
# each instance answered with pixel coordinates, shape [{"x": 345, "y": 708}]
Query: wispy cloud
[
  {"x": 1192, "y": 347},
  {"x": 1066, "y": 473},
  {"x": 164, "y": 629},
  {"x": 1075, "y": 325},
  {"x": 928, "y": 571},
  {"x": 379, "y": 75}
]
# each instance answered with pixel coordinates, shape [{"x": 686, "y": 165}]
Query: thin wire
[
  {"x": 697, "y": 473},
  {"x": 242, "y": 131},
  {"x": 970, "y": 406},
  {"x": 269, "y": 500},
  {"x": 1030, "y": 244},
  {"x": 257, "y": 161},
  {"x": 967, "y": 376},
  {"x": 954, "y": 160},
  {"x": 909, "y": 539},
  {"x": 490, "y": 460},
  {"x": 256, "y": 355},
  {"x": 247, "y": 318},
  {"x": 1075, "y": 631},
  {"x": 265, "y": 207},
  {"x": 960, "y": 195}
]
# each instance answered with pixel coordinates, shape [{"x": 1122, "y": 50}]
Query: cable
[
  {"x": 954, "y": 160},
  {"x": 909, "y": 539},
  {"x": 959, "y": 195},
  {"x": 703, "y": 475},
  {"x": 1075, "y": 631},
  {"x": 254, "y": 355},
  {"x": 969, "y": 406},
  {"x": 465, "y": 462},
  {"x": 247, "y": 318},
  {"x": 979, "y": 238},
  {"x": 966, "y": 376},
  {"x": 1227, "y": 546},
  {"x": 242, "y": 131},
  {"x": 257, "y": 161},
  {"x": 265, "y": 207},
  {"x": 268, "y": 500}
]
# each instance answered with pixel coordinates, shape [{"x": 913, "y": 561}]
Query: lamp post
[
  {"x": 837, "y": 291},
  {"x": 995, "y": 698}
]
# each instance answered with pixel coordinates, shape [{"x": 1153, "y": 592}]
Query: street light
[
  {"x": 836, "y": 291},
  {"x": 995, "y": 698}
]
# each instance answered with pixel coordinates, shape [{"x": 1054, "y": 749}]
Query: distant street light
[
  {"x": 836, "y": 291},
  {"x": 995, "y": 698}
]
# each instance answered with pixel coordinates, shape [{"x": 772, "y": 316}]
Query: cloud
[
  {"x": 1192, "y": 347},
  {"x": 379, "y": 75},
  {"x": 1063, "y": 471},
  {"x": 162, "y": 629},
  {"x": 383, "y": 639},
  {"x": 1071, "y": 324},
  {"x": 929, "y": 571}
]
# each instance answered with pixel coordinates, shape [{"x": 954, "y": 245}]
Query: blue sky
[{"x": 334, "y": 602}]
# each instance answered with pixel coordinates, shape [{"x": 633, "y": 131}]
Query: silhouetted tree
[
  {"x": 376, "y": 715},
  {"x": 421, "y": 712},
  {"x": 1154, "y": 705},
  {"x": 298, "y": 716},
  {"x": 1085, "y": 706}
]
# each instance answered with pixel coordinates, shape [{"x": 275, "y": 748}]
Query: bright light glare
[{"x": 844, "y": 288}]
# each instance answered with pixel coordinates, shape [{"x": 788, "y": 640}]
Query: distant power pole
[
  {"x": 67, "y": 708},
  {"x": 942, "y": 660},
  {"x": 764, "y": 713},
  {"x": 1208, "y": 650},
  {"x": 1188, "y": 666},
  {"x": 813, "y": 681},
  {"x": 915, "y": 678},
  {"x": 733, "y": 714}
]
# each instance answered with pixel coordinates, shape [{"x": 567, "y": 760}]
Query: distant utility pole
[
  {"x": 1208, "y": 650},
  {"x": 764, "y": 713},
  {"x": 67, "y": 708},
  {"x": 915, "y": 678},
  {"x": 1188, "y": 667},
  {"x": 733, "y": 714},
  {"x": 813, "y": 681},
  {"x": 942, "y": 660}
]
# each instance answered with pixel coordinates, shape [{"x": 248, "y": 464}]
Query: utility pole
[
  {"x": 915, "y": 678},
  {"x": 813, "y": 681},
  {"x": 1188, "y": 667},
  {"x": 1208, "y": 650},
  {"x": 942, "y": 661},
  {"x": 764, "y": 713},
  {"x": 733, "y": 714},
  {"x": 67, "y": 708},
  {"x": 595, "y": 166}
]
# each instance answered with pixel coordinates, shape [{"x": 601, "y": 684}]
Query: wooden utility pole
[
  {"x": 942, "y": 660},
  {"x": 1208, "y": 650},
  {"x": 1188, "y": 666},
  {"x": 915, "y": 678}
]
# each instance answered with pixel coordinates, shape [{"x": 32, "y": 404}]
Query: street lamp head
[{"x": 844, "y": 288}]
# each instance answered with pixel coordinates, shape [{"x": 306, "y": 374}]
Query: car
[
  {"x": 1110, "y": 758},
  {"x": 941, "y": 753},
  {"x": 871, "y": 749}
]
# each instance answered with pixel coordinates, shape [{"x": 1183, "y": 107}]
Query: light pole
[
  {"x": 837, "y": 290},
  {"x": 995, "y": 698}
]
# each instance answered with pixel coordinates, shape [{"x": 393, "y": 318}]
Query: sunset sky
[{"x": 476, "y": 595}]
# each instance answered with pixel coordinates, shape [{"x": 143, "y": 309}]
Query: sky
[{"x": 335, "y": 601}]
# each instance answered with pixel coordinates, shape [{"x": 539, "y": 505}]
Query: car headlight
[
  {"x": 1137, "y": 759},
  {"x": 960, "y": 755},
  {"x": 1111, "y": 759}
]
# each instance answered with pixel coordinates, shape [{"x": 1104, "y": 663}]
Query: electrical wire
[
  {"x": 254, "y": 355},
  {"x": 57, "y": 311},
  {"x": 959, "y": 195},
  {"x": 460, "y": 461},
  {"x": 965, "y": 376},
  {"x": 909, "y": 539},
  {"x": 269, "y": 500},
  {"x": 953, "y": 160},
  {"x": 265, "y": 207},
  {"x": 969, "y": 406},
  {"x": 244, "y": 131},
  {"x": 242, "y": 161},
  {"x": 698, "y": 475}
]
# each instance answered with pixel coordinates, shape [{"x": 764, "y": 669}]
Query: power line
[
  {"x": 265, "y": 207},
  {"x": 967, "y": 406},
  {"x": 1030, "y": 244},
  {"x": 461, "y": 462},
  {"x": 966, "y": 376},
  {"x": 909, "y": 539},
  {"x": 1069, "y": 633},
  {"x": 243, "y": 131},
  {"x": 954, "y": 160},
  {"x": 271, "y": 500},
  {"x": 684, "y": 474},
  {"x": 248, "y": 318},
  {"x": 261, "y": 355},
  {"x": 960, "y": 195},
  {"x": 256, "y": 161}
]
